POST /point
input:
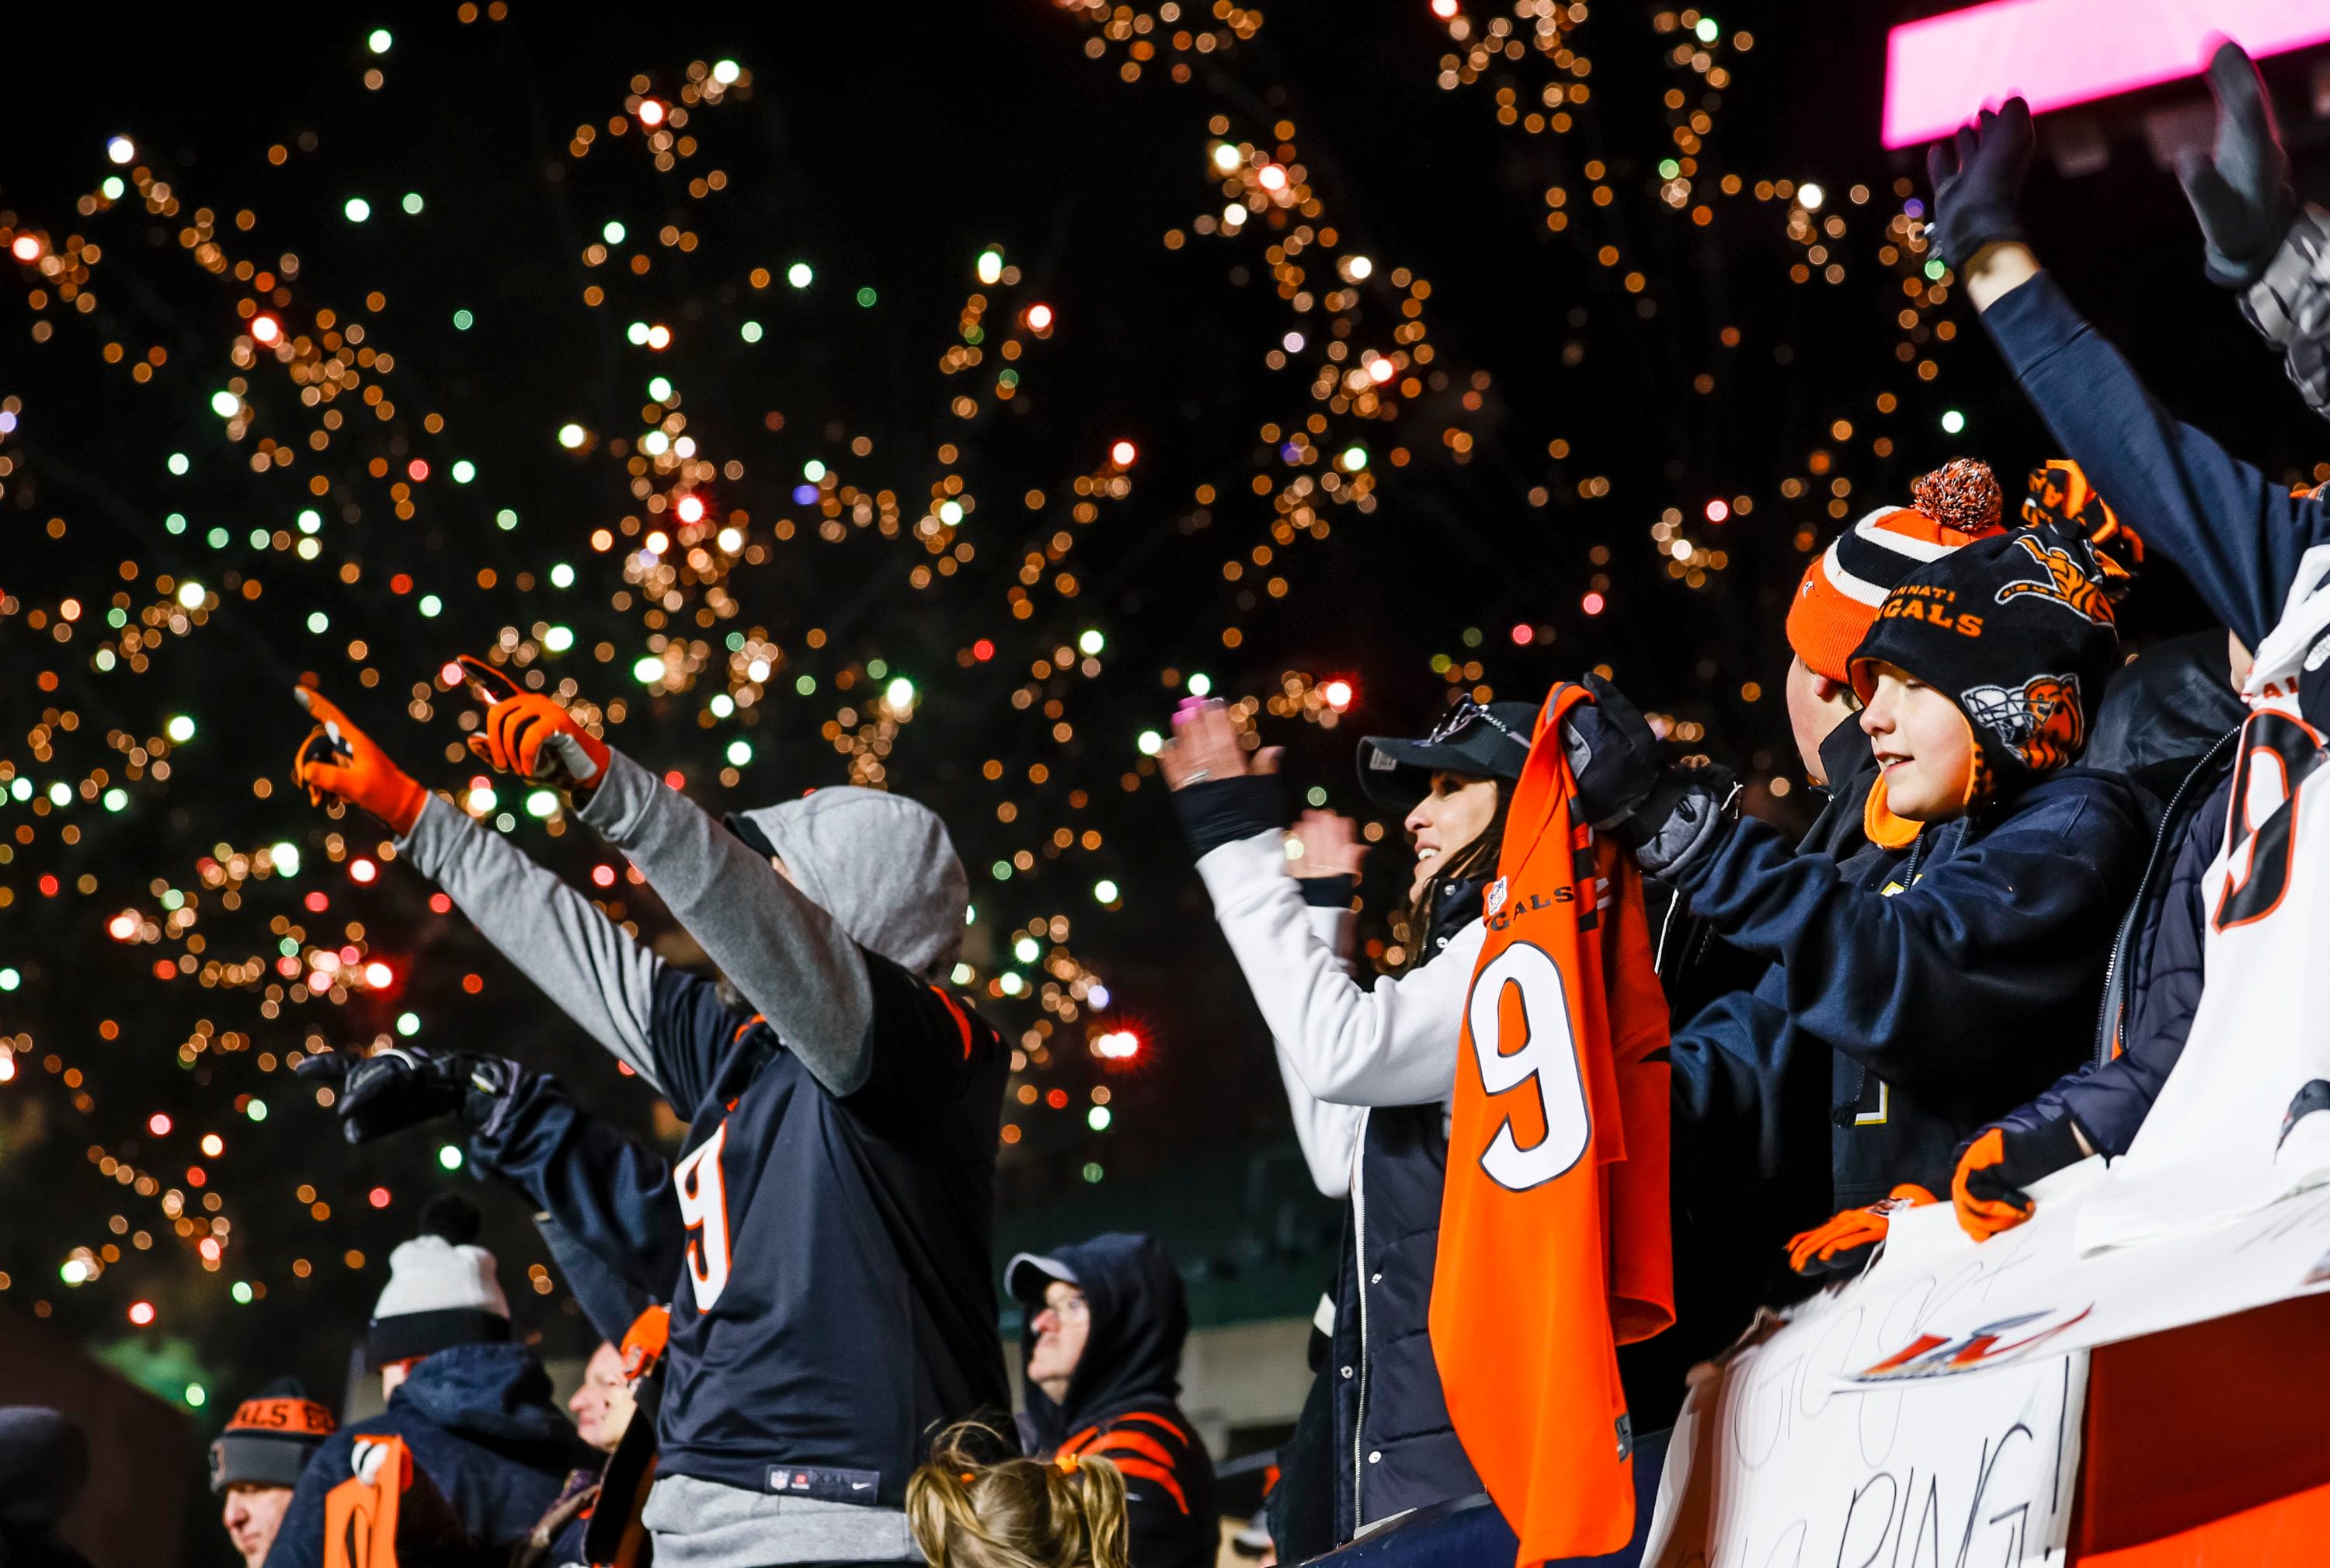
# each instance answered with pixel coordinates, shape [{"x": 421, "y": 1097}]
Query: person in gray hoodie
[{"x": 834, "y": 1303}]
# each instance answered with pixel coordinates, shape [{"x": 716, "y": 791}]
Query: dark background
[{"x": 887, "y": 147}]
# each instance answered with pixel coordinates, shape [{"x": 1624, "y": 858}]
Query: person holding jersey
[
  {"x": 1369, "y": 1073},
  {"x": 1945, "y": 972},
  {"x": 833, "y": 1303}
]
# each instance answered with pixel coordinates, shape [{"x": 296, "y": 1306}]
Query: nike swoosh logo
[{"x": 859, "y": 1485}]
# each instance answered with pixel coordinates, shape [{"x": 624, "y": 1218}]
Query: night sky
[{"x": 1533, "y": 478}]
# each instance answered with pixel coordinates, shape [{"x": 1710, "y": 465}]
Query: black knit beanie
[
  {"x": 2017, "y": 630},
  {"x": 270, "y": 1438}
]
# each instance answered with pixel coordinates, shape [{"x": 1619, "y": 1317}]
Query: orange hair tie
[{"x": 1067, "y": 1463}]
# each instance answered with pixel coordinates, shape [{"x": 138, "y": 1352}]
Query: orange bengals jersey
[{"x": 1553, "y": 1227}]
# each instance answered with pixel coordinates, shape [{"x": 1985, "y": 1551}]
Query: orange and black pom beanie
[
  {"x": 1838, "y": 599},
  {"x": 270, "y": 1439},
  {"x": 2014, "y": 629}
]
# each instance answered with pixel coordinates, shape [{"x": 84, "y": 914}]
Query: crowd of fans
[{"x": 801, "y": 1361}]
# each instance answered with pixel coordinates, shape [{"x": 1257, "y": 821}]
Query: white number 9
[
  {"x": 704, "y": 1210},
  {"x": 1548, "y": 1057}
]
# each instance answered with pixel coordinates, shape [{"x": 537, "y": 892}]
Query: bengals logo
[
  {"x": 2066, "y": 583},
  {"x": 2040, "y": 722}
]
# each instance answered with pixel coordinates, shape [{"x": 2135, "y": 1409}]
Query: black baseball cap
[{"x": 1490, "y": 742}]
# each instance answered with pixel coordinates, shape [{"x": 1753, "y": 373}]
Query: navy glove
[
  {"x": 405, "y": 1086},
  {"x": 1625, "y": 787},
  {"x": 2240, "y": 191},
  {"x": 1977, "y": 179}
]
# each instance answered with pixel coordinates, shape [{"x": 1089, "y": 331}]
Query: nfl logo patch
[{"x": 1493, "y": 899}]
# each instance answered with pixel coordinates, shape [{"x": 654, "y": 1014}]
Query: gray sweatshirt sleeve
[
  {"x": 582, "y": 960},
  {"x": 798, "y": 968}
]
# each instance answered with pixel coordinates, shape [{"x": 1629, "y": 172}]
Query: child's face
[{"x": 1922, "y": 743}]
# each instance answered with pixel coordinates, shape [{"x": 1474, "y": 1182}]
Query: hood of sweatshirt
[
  {"x": 493, "y": 1393},
  {"x": 1140, "y": 1320},
  {"x": 880, "y": 864}
]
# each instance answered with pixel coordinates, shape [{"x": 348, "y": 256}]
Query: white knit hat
[{"x": 443, "y": 1290}]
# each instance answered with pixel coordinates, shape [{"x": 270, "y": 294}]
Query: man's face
[
  {"x": 253, "y": 1513},
  {"x": 602, "y": 1406},
  {"x": 1061, "y": 1329}
]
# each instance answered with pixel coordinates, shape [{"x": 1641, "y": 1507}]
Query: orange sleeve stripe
[
  {"x": 1133, "y": 1442},
  {"x": 1148, "y": 1471},
  {"x": 1075, "y": 1445},
  {"x": 1155, "y": 1419}
]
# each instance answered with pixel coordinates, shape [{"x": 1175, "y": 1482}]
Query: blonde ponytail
[{"x": 1015, "y": 1513}]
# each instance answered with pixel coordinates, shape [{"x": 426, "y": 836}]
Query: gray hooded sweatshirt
[{"x": 866, "y": 869}]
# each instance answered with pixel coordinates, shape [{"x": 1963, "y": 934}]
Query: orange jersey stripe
[
  {"x": 1154, "y": 1419},
  {"x": 1132, "y": 1443},
  {"x": 1147, "y": 1471}
]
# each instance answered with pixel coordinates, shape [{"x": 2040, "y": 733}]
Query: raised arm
[
  {"x": 600, "y": 976},
  {"x": 789, "y": 957},
  {"x": 2235, "y": 534}
]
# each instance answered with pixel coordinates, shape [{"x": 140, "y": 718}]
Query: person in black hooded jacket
[{"x": 1107, "y": 1321}]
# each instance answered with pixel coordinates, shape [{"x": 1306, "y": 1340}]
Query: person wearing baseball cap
[
  {"x": 1368, "y": 1071},
  {"x": 257, "y": 1462},
  {"x": 474, "y": 1410}
]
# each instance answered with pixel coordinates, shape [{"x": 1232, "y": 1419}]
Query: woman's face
[{"x": 1454, "y": 812}]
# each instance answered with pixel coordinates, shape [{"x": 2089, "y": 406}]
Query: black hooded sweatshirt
[{"x": 1122, "y": 1401}]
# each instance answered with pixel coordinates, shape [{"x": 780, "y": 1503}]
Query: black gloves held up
[
  {"x": 406, "y": 1085},
  {"x": 2241, "y": 189},
  {"x": 1977, "y": 178},
  {"x": 1665, "y": 814}
]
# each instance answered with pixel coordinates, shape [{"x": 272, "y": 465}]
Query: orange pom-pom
[{"x": 1963, "y": 494}]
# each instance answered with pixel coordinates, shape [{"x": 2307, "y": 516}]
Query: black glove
[
  {"x": 1665, "y": 814},
  {"x": 1977, "y": 179},
  {"x": 405, "y": 1086},
  {"x": 2241, "y": 191}
]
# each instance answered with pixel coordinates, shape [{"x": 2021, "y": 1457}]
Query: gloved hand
[
  {"x": 527, "y": 733},
  {"x": 1977, "y": 179},
  {"x": 406, "y": 1085},
  {"x": 338, "y": 759},
  {"x": 2240, "y": 191},
  {"x": 1986, "y": 1189},
  {"x": 1843, "y": 1245},
  {"x": 1663, "y": 813}
]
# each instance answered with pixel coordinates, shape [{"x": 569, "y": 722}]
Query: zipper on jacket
[
  {"x": 2109, "y": 1016},
  {"x": 1360, "y": 1257}
]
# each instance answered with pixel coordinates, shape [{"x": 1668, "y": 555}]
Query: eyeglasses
[{"x": 1463, "y": 714}]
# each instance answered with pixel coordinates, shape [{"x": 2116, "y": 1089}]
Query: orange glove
[
  {"x": 338, "y": 759},
  {"x": 1986, "y": 1189},
  {"x": 529, "y": 734},
  {"x": 1850, "y": 1234}
]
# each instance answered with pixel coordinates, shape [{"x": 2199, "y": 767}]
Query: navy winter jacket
[
  {"x": 1934, "y": 988},
  {"x": 479, "y": 1421},
  {"x": 609, "y": 1194},
  {"x": 2239, "y": 537}
]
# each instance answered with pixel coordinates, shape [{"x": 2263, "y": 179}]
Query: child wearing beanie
[
  {"x": 1949, "y": 967},
  {"x": 1838, "y": 599}
]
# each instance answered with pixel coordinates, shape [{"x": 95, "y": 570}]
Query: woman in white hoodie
[{"x": 1369, "y": 1070}]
